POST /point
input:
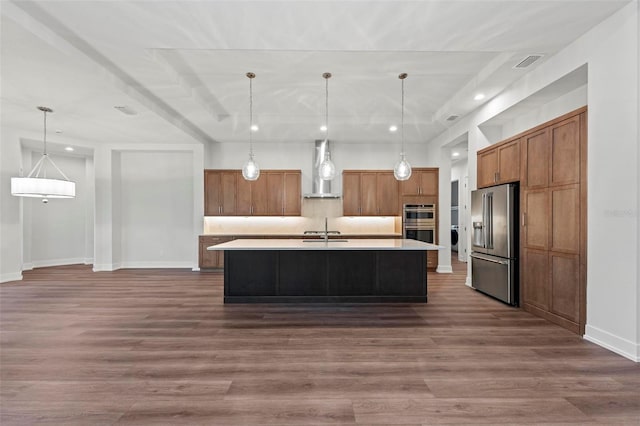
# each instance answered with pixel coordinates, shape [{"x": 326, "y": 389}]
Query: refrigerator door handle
[
  {"x": 484, "y": 220},
  {"x": 489, "y": 239},
  {"x": 501, "y": 262}
]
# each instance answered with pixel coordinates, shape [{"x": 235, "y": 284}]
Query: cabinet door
[
  {"x": 259, "y": 196},
  {"x": 351, "y": 194},
  {"x": 228, "y": 191},
  {"x": 209, "y": 259},
  {"x": 429, "y": 182},
  {"x": 432, "y": 259},
  {"x": 565, "y": 286},
  {"x": 535, "y": 278},
  {"x": 565, "y": 219},
  {"x": 509, "y": 162},
  {"x": 536, "y": 219},
  {"x": 368, "y": 194},
  {"x": 243, "y": 196},
  {"x": 212, "y": 201},
  {"x": 412, "y": 185},
  {"x": 388, "y": 198},
  {"x": 487, "y": 168},
  {"x": 292, "y": 193},
  {"x": 536, "y": 173},
  {"x": 275, "y": 189},
  {"x": 565, "y": 152}
]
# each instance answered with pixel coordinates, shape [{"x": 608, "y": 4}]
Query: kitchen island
[{"x": 338, "y": 270}]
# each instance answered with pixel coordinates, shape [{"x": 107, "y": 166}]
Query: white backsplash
[{"x": 313, "y": 213}]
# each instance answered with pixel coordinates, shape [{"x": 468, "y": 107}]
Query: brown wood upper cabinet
[
  {"x": 499, "y": 164},
  {"x": 283, "y": 189},
  {"x": 370, "y": 193},
  {"x": 220, "y": 190},
  {"x": 422, "y": 182},
  {"x": 274, "y": 193},
  {"x": 552, "y": 155}
]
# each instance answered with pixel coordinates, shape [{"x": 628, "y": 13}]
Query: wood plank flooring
[{"x": 159, "y": 347}]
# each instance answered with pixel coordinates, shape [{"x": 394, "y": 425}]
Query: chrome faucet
[{"x": 326, "y": 229}]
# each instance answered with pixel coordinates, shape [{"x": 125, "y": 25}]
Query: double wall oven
[{"x": 419, "y": 222}]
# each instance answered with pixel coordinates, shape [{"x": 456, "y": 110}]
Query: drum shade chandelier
[
  {"x": 402, "y": 169},
  {"x": 250, "y": 170},
  {"x": 37, "y": 183},
  {"x": 327, "y": 170}
]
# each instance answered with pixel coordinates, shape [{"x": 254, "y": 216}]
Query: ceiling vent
[
  {"x": 126, "y": 110},
  {"x": 452, "y": 117},
  {"x": 528, "y": 61}
]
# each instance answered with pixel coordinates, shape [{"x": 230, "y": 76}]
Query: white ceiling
[{"x": 181, "y": 65}]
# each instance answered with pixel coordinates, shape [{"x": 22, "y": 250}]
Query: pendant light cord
[
  {"x": 251, "y": 117},
  {"x": 45, "y": 132},
  {"x": 402, "y": 120},
  {"x": 326, "y": 104}
]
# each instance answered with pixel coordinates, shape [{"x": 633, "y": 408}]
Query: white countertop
[{"x": 350, "y": 244}]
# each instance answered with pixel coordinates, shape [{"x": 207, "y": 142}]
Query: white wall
[
  {"x": 156, "y": 209},
  {"x": 613, "y": 282},
  {"x": 55, "y": 232},
  {"x": 459, "y": 172},
  {"x": 611, "y": 52},
  {"x": 569, "y": 102},
  {"x": 10, "y": 207},
  {"x": 149, "y": 205}
]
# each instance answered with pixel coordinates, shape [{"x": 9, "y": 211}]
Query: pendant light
[
  {"x": 402, "y": 169},
  {"x": 37, "y": 184},
  {"x": 250, "y": 170},
  {"x": 327, "y": 170}
]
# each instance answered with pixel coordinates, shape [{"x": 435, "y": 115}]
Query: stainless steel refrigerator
[{"x": 494, "y": 251}]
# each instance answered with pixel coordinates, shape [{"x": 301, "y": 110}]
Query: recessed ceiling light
[
  {"x": 455, "y": 153},
  {"x": 58, "y": 131},
  {"x": 323, "y": 128},
  {"x": 478, "y": 97},
  {"x": 393, "y": 128},
  {"x": 69, "y": 148},
  {"x": 254, "y": 128}
]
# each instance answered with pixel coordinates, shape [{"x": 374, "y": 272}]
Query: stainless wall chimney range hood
[{"x": 320, "y": 188}]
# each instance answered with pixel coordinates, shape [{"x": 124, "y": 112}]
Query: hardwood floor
[{"x": 159, "y": 347}]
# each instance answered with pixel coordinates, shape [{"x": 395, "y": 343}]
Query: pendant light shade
[
  {"x": 250, "y": 170},
  {"x": 402, "y": 169},
  {"x": 37, "y": 184},
  {"x": 327, "y": 170}
]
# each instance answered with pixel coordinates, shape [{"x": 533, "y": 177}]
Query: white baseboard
[
  {"x": 105, "y": 267},
  {"x": 619, "y": 345},
  {"x": 195, "y": 269},
  {"x": 11, "y": 276},
  {"x": 53, "y": 262},
  {"x": 467, "y": 282},
  {"x": 88, "y": 260},
  {"x": 442, "y": 269},
  {"x": 156, "y": 264}
]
